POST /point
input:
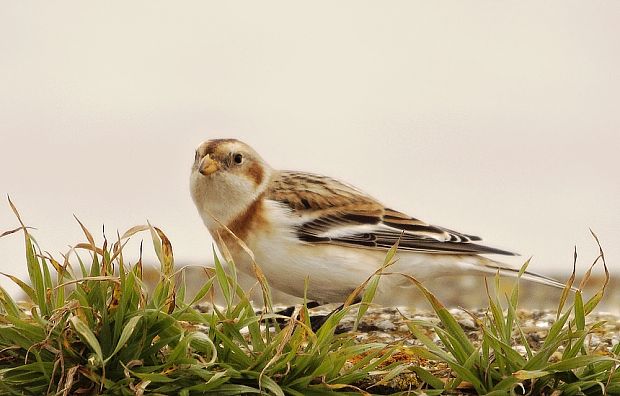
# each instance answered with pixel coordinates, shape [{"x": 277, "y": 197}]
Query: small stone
[
  {"x": 467, "y": 323},
  {"x": 556, "y": 357},
  {"x": 521, "y": 350},
  {"x": 548, "y": 317},
  {"x": 385, "y": 325},
  {"x": 595, "y": 340},
  {"x": 430, "y": 319}
]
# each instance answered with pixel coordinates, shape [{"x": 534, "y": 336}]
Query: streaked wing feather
[{"x": 336, "y": 213}]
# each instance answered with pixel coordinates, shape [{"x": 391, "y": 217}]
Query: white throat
[{"x": 222, "y": 201}]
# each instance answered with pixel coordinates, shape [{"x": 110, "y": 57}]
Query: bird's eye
[
  {"x": 196, "y": 156},
  {"x": 238, "y": 158}
]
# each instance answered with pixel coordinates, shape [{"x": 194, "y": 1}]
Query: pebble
[
  {"x": 468, "y": 323},
  {"x": 385, "y": 325},
  {"x": 521, "y": 349}
]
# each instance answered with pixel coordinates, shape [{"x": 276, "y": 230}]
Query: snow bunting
[{"x": 306, "y": 226}]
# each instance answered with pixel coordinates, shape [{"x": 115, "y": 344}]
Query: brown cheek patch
[
  {"x": 245, "y": 223},
  {"x": 255, "y": 171}
]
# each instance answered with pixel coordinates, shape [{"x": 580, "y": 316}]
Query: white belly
[{"x": 333, "y": 272}]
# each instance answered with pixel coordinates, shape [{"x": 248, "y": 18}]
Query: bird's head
[{"x": 227, "y": 176}]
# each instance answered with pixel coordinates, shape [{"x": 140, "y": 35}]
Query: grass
[{"x": 92, "y": 328}]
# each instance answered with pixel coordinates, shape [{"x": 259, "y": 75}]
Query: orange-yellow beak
[{"x": 208, "y": 166}]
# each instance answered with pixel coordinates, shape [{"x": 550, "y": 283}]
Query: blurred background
[{"x": 497, "y": 119}]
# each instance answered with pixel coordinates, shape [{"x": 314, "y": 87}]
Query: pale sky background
[{"x": 500, "y": 119}]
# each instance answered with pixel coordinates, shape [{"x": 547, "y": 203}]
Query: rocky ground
[{"x": 388, "y": 325}]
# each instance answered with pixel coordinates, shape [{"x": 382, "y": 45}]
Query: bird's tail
[{"x": 488, "y": 266}]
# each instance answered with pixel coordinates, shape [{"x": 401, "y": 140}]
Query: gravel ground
[{"x": 388, "y": 325}]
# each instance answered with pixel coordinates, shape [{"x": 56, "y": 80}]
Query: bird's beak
[{"x": 208, "y": 166}]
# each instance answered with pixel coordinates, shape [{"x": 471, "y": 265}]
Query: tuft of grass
[
  {"x": 96, "y": 330},
  {"x": 91, "y": 327},
  {"x": 562, "y": 365}
]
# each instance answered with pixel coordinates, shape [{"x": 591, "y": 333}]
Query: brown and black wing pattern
[{"x": 333, "y": 212}]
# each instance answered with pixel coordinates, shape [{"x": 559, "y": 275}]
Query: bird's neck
[{"x": 225, "y": 205}]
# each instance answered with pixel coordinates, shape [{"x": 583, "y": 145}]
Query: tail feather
[{"x": 527, "y": 275}]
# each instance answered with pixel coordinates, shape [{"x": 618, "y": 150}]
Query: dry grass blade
[
  {"x": 340, "y": 387},
  {"x": 568, "y": 287},
  {"x": 602, "y": 256},
  {"x": 166, "y": 251},
  {"x": 69, "y": 380},
  {"x": 588, "y": 273},
  {"x": 288, "y": 333},
  {"x": 89, "y": 236},
  {"x": 134, "y": 230},
  {"x": 598, "y": 296},
  {"x": 258, "y": 272},
  {"x": 5, "y": 233},
  {"x": 14, "y": 209},
  {"x": 60, "y": 269},
  {"x": 117, "y": 249},
  {"x": 89, "y": 278},
  {"x": 92, "y": 248},
  {"x": 226, "y": 253}
]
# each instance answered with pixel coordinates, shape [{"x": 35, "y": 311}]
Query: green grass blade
[
  {"x": 87, "y": 336},
  {"x": 128, "y": 330}
]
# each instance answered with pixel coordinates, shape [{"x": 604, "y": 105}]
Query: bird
[{"x": 316, "y": 237}]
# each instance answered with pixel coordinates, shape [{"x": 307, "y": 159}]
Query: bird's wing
[{"x": 335, "y": 213}]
